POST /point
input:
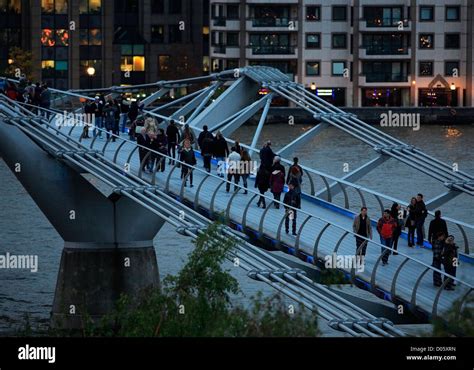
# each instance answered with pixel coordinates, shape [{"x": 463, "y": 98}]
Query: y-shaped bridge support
[{"x": 108, "y": 239}]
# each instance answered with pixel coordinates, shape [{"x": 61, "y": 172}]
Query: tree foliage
[
  {"x": 21, "y": 65},
  {"x": 196, "y": 303}
]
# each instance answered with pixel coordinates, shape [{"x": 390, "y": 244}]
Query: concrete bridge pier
[{"x": 108, "y": 238}]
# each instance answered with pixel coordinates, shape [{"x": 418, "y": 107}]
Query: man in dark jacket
[
  {"x": 173, "y": 137},
  {"x": 420, "y": 214},
  {"x": 362, "y": 226},
  {"x": 292, "y": 199},
  {"x": 221, "y": 152},
  {"x": 188, "y": 159},
  {"x": 206, "y": 141},
  {"x": 437, "y": 225},
  {"x": 267, "y": 155}
]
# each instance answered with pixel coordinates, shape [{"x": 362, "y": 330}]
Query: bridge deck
[{"x": 408, "y": 275}]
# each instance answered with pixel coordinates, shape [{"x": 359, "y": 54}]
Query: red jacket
[{"x": 277, "y": 181}]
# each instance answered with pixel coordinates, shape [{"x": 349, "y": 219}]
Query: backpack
[{"x": 387, "y": 230}]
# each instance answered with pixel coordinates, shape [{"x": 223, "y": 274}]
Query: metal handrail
[{"x": 348, "y": 231}]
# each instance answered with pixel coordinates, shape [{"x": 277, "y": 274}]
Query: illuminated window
[
  {"x": 89, "y": 37},
  {"x": 62, "y": 37},
  {"x": 10, "y": 6},
  {"x": 206, "y": 62},
  {"x": 126, "y": 64},
  {"x": 96, "y": 64},
  {"x": 48, "y": 38},
  {"x": 426, "y": 41},
  {"x": 47, "y": 64},
  {"x": 90, "y": 6},
  {"x": 205, "y": 30},
  {"x": 54, "y": 6},
  {"x": 138, "y": 64},
  {"x": 61, "y": 66},
  {"x": 133, "y": 59},
  {"x": 164, "y": 63}
]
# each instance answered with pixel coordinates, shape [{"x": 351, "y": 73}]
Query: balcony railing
[
  {"x": 272, "y": 22},
  {"x": 386, "y": 50},
  {"x": 272, "y": 49},
  {"x": 219, "y": 49},
  {"x": 219, "y": 21},
  {"x": 386, "y": 22},
  {"x": 386, "y": 77}
]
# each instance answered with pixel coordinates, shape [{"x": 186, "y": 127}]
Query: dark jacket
[
  {"x": 290, "y": 176},
  {"x": 188, "y": 157},
  {"x": 160, "y": 144},
  {"x": 420, "y": 212},
  {"x": 143, "y": 140},
  {"x": 266, "y": 157},
  {"x": 206, "y": 141},
  {"x": 292, "y": 198},
  {"x": 221, "y": 149},
  {"x": 172, "y": 134},
  {"x": 368, "y": 224},
  {"x": 436, "y": 226},
  {"x": 262, "y": 181}
]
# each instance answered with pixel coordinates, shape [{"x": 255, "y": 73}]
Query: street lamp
[
  {"x": 453, "y": 86},
  {"x": 10, "y": 61},
  {"x": 313, "y": 86}
]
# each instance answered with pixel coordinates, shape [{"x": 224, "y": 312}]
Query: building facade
[
  {"x": 354, "y": 52},
  {"x": 95, "y": 43}
]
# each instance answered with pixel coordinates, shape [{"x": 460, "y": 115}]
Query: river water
[{"x": 25, "y": 230}]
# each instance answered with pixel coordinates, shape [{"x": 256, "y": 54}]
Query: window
[
  {"x": 157, "y": 34},
  {"x": 313, "y": 13},
  {"x": 313, "y": 68},
  {"x": 425, "y": 68},
  {"x": 339, "y": 13},
  {"x": 452, "y": 41},
  {"x": 158, "y": 6},
  {"x": 426, "y": 13},
  {"x": 90, "y": 37},
  {"x": 50, "y": 38},
  {"x": 339, "y": 41},
  {"x": 313, "y": 40},
  {"x": 232, "y": 11},
  {"x": 90, "y": 6},
  {"x": 10, "y": 6},
  {"x": 376, "y": 16},
  {"x": 175, "y": 6},
  {"x": 175, "y": 34},
  {"x": 96, "y": 64},
  {"x": 451, "y": 68},
  {"x": 453, "y": 13},
  {"x": 232, "y": 39},
  {"x": 232, "y": 63},
  {"x": 426, "y": 41},
  {"x": 163, "y": 63},
  {"x": 132, "y": 59},
  {"x": 338, "y": 68},
  {"x": 54, "y": 6}
]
